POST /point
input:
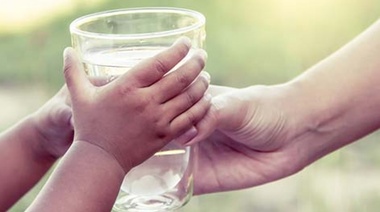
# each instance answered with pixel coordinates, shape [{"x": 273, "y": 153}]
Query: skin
[
  {"x": 121, "y": 124},
  {"x": 260, "y": 134},
  {"x": 117, "y": 126},
  {"x": 31, "y": 146},
  {"x": 268, "y": 133}
]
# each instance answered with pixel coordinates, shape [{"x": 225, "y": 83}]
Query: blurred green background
[{"x": 248, "y": 42}]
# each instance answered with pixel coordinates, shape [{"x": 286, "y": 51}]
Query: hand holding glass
[{"x": 109, "y": 44}]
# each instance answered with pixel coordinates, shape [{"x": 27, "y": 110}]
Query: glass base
[{"x": 159, "y": 203}]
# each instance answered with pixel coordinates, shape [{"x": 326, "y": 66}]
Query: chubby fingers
[
  {"x": 186, "y": 109},
  {"x": 205, "y": 127},
  {"x": 189, "y": 97},
  {"x": 153, "y": 69},
  {"x": 213, "y": 119},
  {"x": 175, "y": 82},
  {"x": 185, "y": 122}
]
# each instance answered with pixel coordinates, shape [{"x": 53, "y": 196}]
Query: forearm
[
  {"x": 21, "y": 164},
  {"x": 85, "y": 175},
  {"x": 340, "y": 96}
]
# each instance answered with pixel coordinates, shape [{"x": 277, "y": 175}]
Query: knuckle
[
  {"x": 159, "y": 66},
  {"x": 162, "y": 133},
  {"x": 190, "y": 118},
  {"x": 191, "y": 98},
  {"x": 161, "y": 126},
  {"x": 183, "y": 79},
  {"x": 67, "y": 64},
  {"x": 157, "y": 120},
  {"x": 67, "y": 68},
  {"x": 125, "y": 90},
  {"x": 66, "y": 71},
  {"x": 142, "y": 106}
]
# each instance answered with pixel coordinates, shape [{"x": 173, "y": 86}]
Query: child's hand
[
  {"x": 138, "y": 113},
  {"x": 53, "y": 123}
]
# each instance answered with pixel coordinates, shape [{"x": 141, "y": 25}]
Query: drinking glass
[{"x": 109, "y": 44}]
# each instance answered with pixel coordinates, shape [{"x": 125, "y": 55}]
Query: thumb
[
  {"x": 230, "y": 112},
  {"x": 75, "y": 76}
]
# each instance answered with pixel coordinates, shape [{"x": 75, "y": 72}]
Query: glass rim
[{"x": 74, "y": 26}]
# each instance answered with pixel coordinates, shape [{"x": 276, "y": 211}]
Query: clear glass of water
[{"x": 109, "y": 44}]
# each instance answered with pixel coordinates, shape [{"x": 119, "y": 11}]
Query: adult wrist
[
  {"x": 312, "y": 119},
  {"x": 327, "y": 117}
]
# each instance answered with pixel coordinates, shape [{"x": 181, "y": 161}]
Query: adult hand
[{"x": 258, "y": 138}]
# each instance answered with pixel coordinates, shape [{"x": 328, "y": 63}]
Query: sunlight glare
[{"x": 20, "y": 15}]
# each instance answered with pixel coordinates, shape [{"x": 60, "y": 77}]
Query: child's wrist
[
  {"x": 32, "y": 140},
  {"x": 107, "y": 159}
]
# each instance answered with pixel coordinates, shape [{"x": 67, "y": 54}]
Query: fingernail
[
  {"x": 208, "y": 97},
  {"x": 206, "y": 75},
  {"x": 203, "y": 53},
  {"x": 184, "y": 40}
]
